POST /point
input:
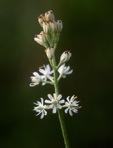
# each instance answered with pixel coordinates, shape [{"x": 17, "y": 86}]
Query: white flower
[
  {"x": 46, "y": 73},
  {"x": 40, "y": 108},
  {"x": 72, "y": 105},
  {"x": 64, "y": 70},
  {"x": 55, "y": 102},
  {"x": 36, "y": 79}
]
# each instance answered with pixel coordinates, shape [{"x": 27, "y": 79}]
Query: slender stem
[
  {"x": 60, "y": 115},
  {"x": 64, "y": 132}
]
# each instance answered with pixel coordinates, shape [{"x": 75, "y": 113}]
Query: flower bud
[
  {"x": 59, "y": 25},
  {"x": 41, "y": 39},
  {"x": 66, "y": 55},
  {"x": 53, "y": 26},
  {"x": 46, "y": 27},
  {"x": 49, "y": 16},
  {"x": 41, "y": 19},
  {"x": 38, "y": 39},
  {"x": 49, "y": 53}
]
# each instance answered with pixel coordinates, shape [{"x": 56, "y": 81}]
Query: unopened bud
[
  {"x": 66, "y": 55},
  {"x": 41, "y": 19},
  {"x": 38, "y": 39},
  {"x": 49, "y": 53},
  {"x": 49, "y": 16},
  {"x": 46, "y": 27},
  {"x": 53, "y": 26},
  {"x": 41, "y": 39},
  {"x": 59, "y": 25}
]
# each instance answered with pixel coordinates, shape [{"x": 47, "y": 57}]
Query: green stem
[
  {"x": 60, "y": 115},
  {"x": 64, "y": 132}
]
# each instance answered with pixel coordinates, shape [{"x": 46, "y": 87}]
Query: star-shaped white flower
[
  {"x": 36, "y": 79},
  {"x": 40, "y": 108},
  {"x": 46, "y": 72},
  {"x": 64, "y": 71},
  {"x": 55, "y": 102},
  {"x": 72, "y": 105}
]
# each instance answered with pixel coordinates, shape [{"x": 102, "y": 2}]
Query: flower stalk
[
  {"x": 51, "y": 74},
  {"x": 60, "y": 115}
]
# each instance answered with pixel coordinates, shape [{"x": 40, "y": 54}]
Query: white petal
[
  {"x": 68, "y": 98},
  {"x": 32, "y": 84},
  {"x": 48, "y": 101},
  {"x": 54, "y": 110},
  {"x": 43, "y": 83},
  {"x": 59, "y": 97},
  {"x": 75, "y": 103},
  {"x": 69, "y": 72},
  {"x": 66, "y": 110},
  {"x": 36, "y": 74},
  {"x": 70, "y": 112},
  {"x": 55, "y": 96},
  {"x": 63, "y": 76},
  {"x": 67, "y": 68},
  {"x": 50, "y": 96},
  {"x": 50, "y": 77},
  {"x": 42, "y": 100},
  {"x": 42, "y": 115},
  {"x": 62, "y": 101},
  {"x": 42, "y": 71},
  {"x": 60, "y": 70},
  {"x": 67, "y": 104},
  {"x": 39, "y": 104},
  {"x": 48, "y": 68},
  {"x": 75, "y": 110},
  {"x": 45, "y": 112},
  {"x": 39, "y": 112},
  {"x": 72, "y": 98}
]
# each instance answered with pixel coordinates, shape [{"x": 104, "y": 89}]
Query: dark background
[{"x": 88, "y": 33}]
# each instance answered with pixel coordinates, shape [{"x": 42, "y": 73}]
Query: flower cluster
[
  {"x": 52, "y": 72},
  {"x": 51, "y": 30},
  {"x": 55, "y": 102},
  {"x": 46, "y": 76}
]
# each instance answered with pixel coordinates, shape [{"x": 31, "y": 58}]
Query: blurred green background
[{"x": 88, "y": 33}]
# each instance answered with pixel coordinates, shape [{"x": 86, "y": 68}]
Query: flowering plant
[{"x": 53, "y": 72}]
